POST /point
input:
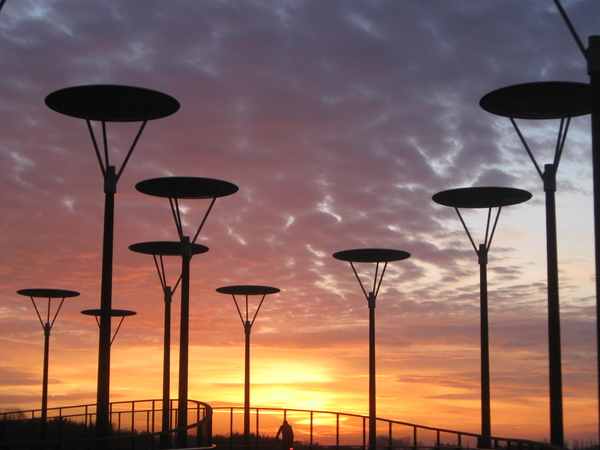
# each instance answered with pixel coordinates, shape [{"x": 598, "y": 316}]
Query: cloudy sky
[{"x": 338, "y": 120}]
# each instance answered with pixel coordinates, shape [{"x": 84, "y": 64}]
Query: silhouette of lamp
[
  {"x": 592, "y": 57},
  {"x": 377, "y": 256},
  {"x": 109, "y": 103},
  {"x": 47, "y": 322},
  {"x": 175, "y": 189},
  {"x": 158, "y": 249},
  {"x": 482, "y": 198},
  {"x": 97, "y": 314},
  {"x": 246, "y": 291},
  {"x": 544, "y": 101}
]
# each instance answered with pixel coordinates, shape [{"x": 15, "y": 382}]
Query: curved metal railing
[
  {"x": 342, "y": 430},
  {"x": 133, "y": 425},
  {"x": 136, "y": 425}
]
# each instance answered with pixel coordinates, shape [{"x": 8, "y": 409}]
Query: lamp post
[
  {"x": 47, "y": 322},
  {"x": 109, "y": 103},
  {"x": 377, "y": 256},
  {"x": 483, "y": 198},
  {"x": 158, "y": 249},
  {"x": 544, "y": 101},
  {"x": 593, "y": 60},
  {"x": 592, "y": 57},
  {"x": 245, "y": 291},
  {"x": 97, "y": 314},
  {"x": 176, "y": 189}
]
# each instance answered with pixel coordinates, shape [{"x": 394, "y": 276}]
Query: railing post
[
  {"x": 88, "y": 421},
  {"x": 175, "y": 416},
  {"x": 364, "y": 432},
  {"x": 209, "y": 428},
  {"x": 415, "y": 437},
  {"x": 257, "y": 427},
  {"x": 132, "y": 416},
  {"x": 231, "y": 426},
  {"x": 60, "y": 425},
  {"x": 311, "y": 430},
  {"x": 33, "y": 423},
  {"x": 199, "y": 432},
  {"x": 337, "y": 430}
]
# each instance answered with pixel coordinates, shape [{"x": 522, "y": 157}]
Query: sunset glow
[{"x": 338, "y": 121}]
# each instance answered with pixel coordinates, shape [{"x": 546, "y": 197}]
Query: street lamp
[
  {"x": 47, "y": 322},
  {"x": 158, "y": 249},
  {"x": 592, "y": 57},
  {"x": 245, "y": 291},
  {"x": 481, "y": 198},
  {"x": 109, "y": 103},
  {"x": 122, "y": 313},
  {"x": 544, "y": 101},
  {"x": 377, "y": 256},
  {"x": 175, "y": 189}
]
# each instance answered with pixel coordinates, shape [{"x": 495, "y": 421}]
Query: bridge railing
[
  {"x": 133, "y": 425},
  {"x": 343, "y": 430},
  {"x": 136, "y": 425}
]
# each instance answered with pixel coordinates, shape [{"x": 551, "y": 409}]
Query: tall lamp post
[
  {"x": 593, "y": 60},
  {"x": 482, "y": 198},
  {"x": 247, "y": 322},
  {"x": 377, "y": 256},
  {"x": 158, "y": 249},
  {"x": 47, "y": 322},
  {"x": 592, "y": 57},
  {"x": 176, "y": 189},
  {"x": 109, "y": 103},
  {"x": 543, "y": 101}
]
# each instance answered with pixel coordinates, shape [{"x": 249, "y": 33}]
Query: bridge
[{"x": 137, "y": 425}]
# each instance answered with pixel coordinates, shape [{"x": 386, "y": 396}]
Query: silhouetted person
[{"x": 287, "y": 435}]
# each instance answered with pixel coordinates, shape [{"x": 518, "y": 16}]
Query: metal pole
[
  {"x": 247, "y": 329},
  {"x": 45, "y": 381},
  {"x": 486, "y": 427},
  {"x": 554, "y": 351},
  {"x": 186, "y": 256},
  {"x": 593, "y": 59},
  {"x": 103, "y": 394},
  {"x": 166, "y": 403},
  {"x": 372, "y": 381}
]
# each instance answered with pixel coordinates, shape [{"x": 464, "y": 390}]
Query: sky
[{"x": 338, "y": 121}]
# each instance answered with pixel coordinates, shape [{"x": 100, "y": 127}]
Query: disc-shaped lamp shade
[
  {"x": 482, "y": 197},
  {"x": 542, "y": 100},
  {"x": 113, "y": 312},
  {"x": 48, "y": 293},
  {"x": 371, "y": 255},
  {"x": 248, "y": 290},
  {"x": 112, "y": 103},
  {"x": 186, "y": 187},
  {"x": 165, "y": 248}
]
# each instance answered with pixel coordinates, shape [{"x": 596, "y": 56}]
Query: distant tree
[
  {"x": 384, "y": 441},
  {"x": 585, "y": 445},
  {"x": 13, "y": 414}
]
